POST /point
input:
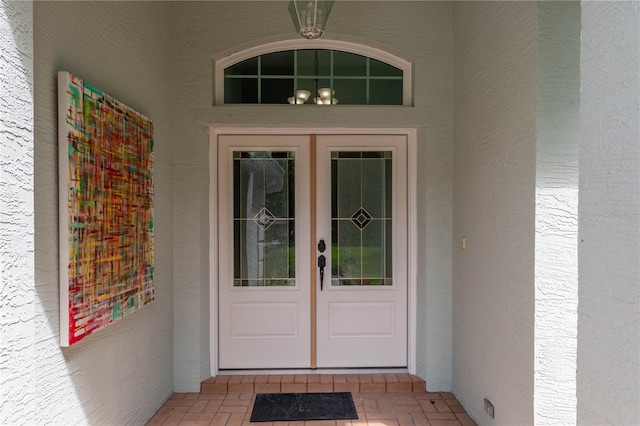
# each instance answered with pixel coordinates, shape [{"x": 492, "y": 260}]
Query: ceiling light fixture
[
  {"x": 310, "y": 17},
  {"x": 326, "y": 97}
]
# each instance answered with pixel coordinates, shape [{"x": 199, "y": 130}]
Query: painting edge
[{"x": 64, "y": 78}]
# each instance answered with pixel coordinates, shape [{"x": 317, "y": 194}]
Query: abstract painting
[{"x": 106, "y": 209}]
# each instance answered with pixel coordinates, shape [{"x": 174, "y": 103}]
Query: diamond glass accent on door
[
  {"x": 361, "y": 218},
  {"x": 361, "y": 222},
  {"x": 264, "y": 218}
]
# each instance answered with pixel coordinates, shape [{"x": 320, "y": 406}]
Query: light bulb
[
  {"x": 303, "y": 94},
  {"x": 324, "y": 101},
  {"x": 325, "y": 92},
  {"x": 300, "y": 97}
]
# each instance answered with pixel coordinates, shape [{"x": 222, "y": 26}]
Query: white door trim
[{"x": 412, "y": 163}]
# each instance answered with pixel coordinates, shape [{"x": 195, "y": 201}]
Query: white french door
[
  {"x": 263, "y": 287},
  {"x": 362, "y": 305},
  {"x": 277, "y": 307}
]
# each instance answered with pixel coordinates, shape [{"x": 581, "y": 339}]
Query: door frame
[{"x": 412, "y": 240}]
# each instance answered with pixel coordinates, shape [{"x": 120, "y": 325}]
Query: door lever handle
[{"x": 322, "y": 262}]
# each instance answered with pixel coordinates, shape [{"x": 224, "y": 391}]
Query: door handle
[{"x": 322, "y": 262}]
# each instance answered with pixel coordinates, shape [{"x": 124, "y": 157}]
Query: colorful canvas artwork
[{"x": 106, "y": 209}]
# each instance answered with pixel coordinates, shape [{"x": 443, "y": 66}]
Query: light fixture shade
[
  {"x": 326, "y": 97},
  {"x": 325, "y": 92},
  {"x": 323, "y": 101},
  {"x": 303, "y": 94},
  {"x": 300, "y": 97},
  {"x": 310, "y": 17}
]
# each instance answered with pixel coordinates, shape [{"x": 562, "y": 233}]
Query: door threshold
[
  {"x": 233, "y": 372},
  {"x": 354, "y": 380}
]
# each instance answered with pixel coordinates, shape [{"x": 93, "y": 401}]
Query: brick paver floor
[{"x": 380, "y": 400}]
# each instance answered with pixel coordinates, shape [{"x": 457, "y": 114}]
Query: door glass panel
[
  {"x": 346, "y": 255},
  {"x": 372, "y": 186},
  {"x": 264, "y": 218},
  {"x": 348, "y": 186},
  {"x": 373, "y": 257},
  {"x": 361, "y": 218}
]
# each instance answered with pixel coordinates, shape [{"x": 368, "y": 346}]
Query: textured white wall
[
  {"x": 122, "y": 374},
  {"x": 556, "y": 223},
  {"x": 609, "y": 253},
  {"x": 494, "y": 159},
  {"x": 418, "y": 30},
  {"x": 17, "y": 310}
]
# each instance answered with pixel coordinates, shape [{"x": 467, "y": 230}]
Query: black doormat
[{"x": 282, "y": 407}]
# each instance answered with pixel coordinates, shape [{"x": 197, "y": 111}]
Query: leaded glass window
[
  {"x": 264, "y": 218},
  {"x": 361, "y": 218}
]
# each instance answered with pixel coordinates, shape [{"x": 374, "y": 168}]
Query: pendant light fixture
[
  {"x": 326, "y": 97},
  {"x": 310, "y": 17}
]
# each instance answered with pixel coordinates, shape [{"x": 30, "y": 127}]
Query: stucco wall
[
  {"x": 609, "y": 294},
  {"x": 556, "y": 223},
  {"x": 420, "y": 31},
  {"x": 494, "y": 165},
  {"x": 123, "y": 373},
  {"x": 17, "y": 305}
]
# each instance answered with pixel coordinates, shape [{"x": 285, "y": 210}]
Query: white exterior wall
[
  {"x": 420, "y": 31},
  {"x": 17, "y": 293},
  {"x": 609, "y": 252},
  {"x": 122, "y": 374},
  {"x": 556, "y": 223},
  {"x": 494, "y": 160}
]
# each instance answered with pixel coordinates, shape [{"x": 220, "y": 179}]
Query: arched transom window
[{"x": 325, "y": 73}]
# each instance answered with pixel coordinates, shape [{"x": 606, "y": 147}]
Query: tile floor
[{"x": 380, "y": 399}]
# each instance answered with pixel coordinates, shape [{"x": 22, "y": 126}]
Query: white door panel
[
  {"x": 361, "y": 319},
  {"x": 277, "y": 320}
]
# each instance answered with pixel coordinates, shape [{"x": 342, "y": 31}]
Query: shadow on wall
[{"x": 122, "y": 374}]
